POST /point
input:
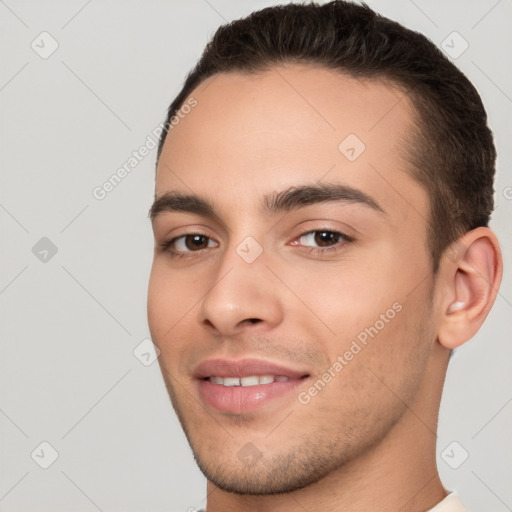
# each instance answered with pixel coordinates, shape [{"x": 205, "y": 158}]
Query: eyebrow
[
  {"x": 285, "y": 201},
  {"x": 298, "y": 197},
  {"x": 176, "y": 202}
]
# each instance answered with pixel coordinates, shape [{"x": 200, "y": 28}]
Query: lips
[
  {"x": 245, "y": 368},
  {"x": 240, "y": 386}
]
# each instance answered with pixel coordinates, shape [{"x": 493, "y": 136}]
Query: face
[{"x": 290, "y": 294}]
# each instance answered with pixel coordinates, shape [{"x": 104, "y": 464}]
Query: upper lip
[{"x": 244, "y": 368}]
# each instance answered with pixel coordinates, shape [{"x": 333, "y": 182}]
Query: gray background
[{"x": 70, "y": 323}]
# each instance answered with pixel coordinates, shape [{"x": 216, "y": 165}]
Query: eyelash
[{"x": 168, "y": 245}]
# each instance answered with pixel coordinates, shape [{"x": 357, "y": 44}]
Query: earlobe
[{"x": 471, "y": 275}]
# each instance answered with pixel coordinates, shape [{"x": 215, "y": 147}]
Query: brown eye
[
  {"x": 196, "y": 242},
  {"x": 321, "y": 238},
  {"x": 193, "y": 242},
  {"x": 326, "y": 238}
]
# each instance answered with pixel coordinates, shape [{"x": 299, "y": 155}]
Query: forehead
[{"x": 249, "y": 133}]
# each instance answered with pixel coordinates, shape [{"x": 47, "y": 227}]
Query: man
[{"x": 323, "y": 190}]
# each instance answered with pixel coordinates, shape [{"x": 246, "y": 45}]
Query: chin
[{"x": 281, "y": 476}]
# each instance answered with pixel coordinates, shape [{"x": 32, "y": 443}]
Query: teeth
[
  {"x": 252, "y": 380},
  {"x": 231, "y": 381}
]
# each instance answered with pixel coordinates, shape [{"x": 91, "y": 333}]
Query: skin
[{"x": 367, "y": 440}]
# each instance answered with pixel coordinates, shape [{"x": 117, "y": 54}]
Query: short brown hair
[{"x": 452, "y": 152}]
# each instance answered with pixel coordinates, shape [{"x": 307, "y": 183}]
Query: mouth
[
  {"x": 241, "y": 386},
  {"x": 252, "y": 380}
]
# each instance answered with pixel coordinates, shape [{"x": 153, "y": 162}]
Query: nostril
[{"x": 254, "y": 320}]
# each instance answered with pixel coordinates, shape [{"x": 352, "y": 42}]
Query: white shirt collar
[{"x": 450, "y": 504}]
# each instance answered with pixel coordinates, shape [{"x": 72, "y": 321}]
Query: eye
[
  {"x": 322, "y": 238},
  {"x": 192, "y": 242}
]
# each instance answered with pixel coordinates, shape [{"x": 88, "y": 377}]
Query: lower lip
[{"x": 241, "y": 399}]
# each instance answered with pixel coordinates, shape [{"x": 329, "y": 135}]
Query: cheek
[
  {"x": 379, "y": 371},
  {"x": 171, "y": 293},
  {"x": 173, "y": 298},
  {"x": 367, "y": 306},
  {"x": 393, "y": 346},
  {"x": 346, "y": 298},
  {"x": 168, "y": 303},
  {"x": 158, "y": 301}
]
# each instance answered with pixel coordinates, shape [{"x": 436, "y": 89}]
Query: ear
[{"x": 471, "y": 270}]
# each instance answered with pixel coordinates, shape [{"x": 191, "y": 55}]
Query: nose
[{"x": 242, "y": 297}]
